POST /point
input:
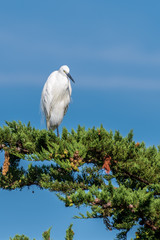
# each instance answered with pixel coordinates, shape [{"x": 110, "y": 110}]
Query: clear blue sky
[{"x": 113, "y": 51}]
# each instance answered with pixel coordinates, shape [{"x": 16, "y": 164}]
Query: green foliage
[
  {"x": 117, "y": 178},
  {"x": 46, "y": 234},
  {"x": 18, "y": 237},
  {"x": 69, "y": 233}
]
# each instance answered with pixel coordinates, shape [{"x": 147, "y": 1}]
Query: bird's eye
[{"x": 64, "y": 71}]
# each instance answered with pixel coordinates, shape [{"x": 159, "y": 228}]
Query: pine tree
[{"x": 113, "y": 175}]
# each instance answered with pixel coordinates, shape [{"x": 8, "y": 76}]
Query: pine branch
[
  {"x": 75, "y": 171},
  {"x": 135, "y": 177}
]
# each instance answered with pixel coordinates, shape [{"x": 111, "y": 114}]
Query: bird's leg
[{"x": 57, "y": 132}]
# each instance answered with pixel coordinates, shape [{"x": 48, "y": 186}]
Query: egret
[{"x": 56, "y": 96}]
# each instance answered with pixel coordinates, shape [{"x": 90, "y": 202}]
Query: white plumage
[{"x": 56, "y": 96}]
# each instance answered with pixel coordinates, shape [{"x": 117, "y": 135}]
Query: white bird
[{"x": 56, "y": 96}]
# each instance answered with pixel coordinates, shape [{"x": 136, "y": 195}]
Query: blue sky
[{"x": 113, "y": 51}]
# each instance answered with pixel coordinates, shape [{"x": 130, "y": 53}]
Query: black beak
[{"x": 69, "y": 75}]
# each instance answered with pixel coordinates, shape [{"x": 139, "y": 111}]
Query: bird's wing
[{"x": 48, "y": 98}]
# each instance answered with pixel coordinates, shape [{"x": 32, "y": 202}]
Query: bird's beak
[{"x": 69, "y": 75}]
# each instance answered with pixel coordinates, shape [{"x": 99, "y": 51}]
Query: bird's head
[{"x": 65, "y": 71}]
